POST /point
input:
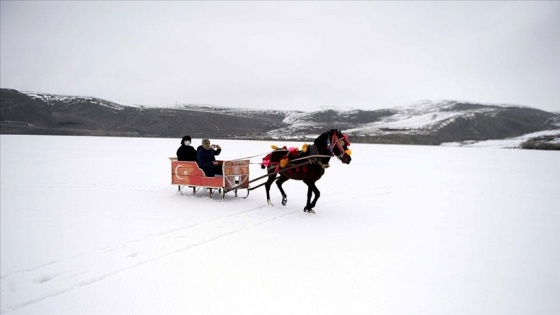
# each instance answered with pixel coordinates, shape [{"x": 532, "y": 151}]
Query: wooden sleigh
[{"x": 236, "y": 176}]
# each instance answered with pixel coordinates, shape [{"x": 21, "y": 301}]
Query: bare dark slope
[{"x": 22, "y": 114}]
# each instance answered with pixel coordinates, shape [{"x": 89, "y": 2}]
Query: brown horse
[{"x": 308, "y": 166}]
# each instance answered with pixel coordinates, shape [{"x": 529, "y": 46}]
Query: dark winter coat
[
  {"x": 186, "y": 153},
  {"x": 205, "y": 160}
]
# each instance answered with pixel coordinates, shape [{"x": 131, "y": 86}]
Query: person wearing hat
[
  {"x": 207, "y": 160},
  {"x": 186, "y": 152}
]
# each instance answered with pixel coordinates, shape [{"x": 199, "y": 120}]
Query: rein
[
  {"x": 334, "y": 140},
  {"x": 252, "y": 156},
  {"x": 273, "y": 173},
  {"x": 309, "y": 157}
]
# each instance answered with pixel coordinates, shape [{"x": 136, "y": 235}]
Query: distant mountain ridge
[{"x": 426, "y": 122}]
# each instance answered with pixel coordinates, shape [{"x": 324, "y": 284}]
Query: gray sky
[{"x": 288, "y": 55}]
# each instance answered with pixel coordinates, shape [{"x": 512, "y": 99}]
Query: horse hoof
[
  {"x": 308, "y": 210},
  {"x": 270, "y": 203},
  {"x": 284, "y": 201}
]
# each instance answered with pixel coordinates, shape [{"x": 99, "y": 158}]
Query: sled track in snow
[
  {"x": 32, "y": 285},
  {"x": 156, "y": 189}
]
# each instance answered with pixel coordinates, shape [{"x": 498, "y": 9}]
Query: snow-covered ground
[{"x": 91, "y": 225}]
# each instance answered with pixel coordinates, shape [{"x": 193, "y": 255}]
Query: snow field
[{"x": 91, "y": 225}]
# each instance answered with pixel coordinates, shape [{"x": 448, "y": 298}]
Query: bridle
[{"x": 336, "y": 141}]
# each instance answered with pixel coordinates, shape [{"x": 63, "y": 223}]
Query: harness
[{"x": 293, "y": 154}]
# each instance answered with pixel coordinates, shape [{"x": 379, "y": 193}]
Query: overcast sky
[{"x": 289, "y": 54}]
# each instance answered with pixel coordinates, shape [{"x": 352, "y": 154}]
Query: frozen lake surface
[{"x": 92, "y": 225}]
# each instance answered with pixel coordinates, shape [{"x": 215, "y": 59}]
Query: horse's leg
[
  {"x": 311, "y": 189},
  {"x": 317, "y": 194},
  {"x": 308, "y": 203},
  {"x": 267, "y": 185},
  {"x": 279, "y": 183}
]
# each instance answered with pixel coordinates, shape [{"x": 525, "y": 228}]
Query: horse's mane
[
  {"x": 322, "y": 148},
  {"x": 322, "y": 138}
]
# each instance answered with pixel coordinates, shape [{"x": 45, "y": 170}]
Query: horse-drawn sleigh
[
  {"x": 282, "y": 164},
  {"x": 235, "y": 176}
]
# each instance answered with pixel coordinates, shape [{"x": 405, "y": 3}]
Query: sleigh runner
[{"x": 236, "y": 176}]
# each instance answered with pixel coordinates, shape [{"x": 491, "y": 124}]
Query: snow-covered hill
[
  {"x": 423, "y": 117},
  {"x": 425, "y": 122},
  {"x": 552, "y": 137},
  {"x": 52, "y": 99}
]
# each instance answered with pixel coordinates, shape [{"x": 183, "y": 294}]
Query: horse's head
[{"x": 337, "y": 144}]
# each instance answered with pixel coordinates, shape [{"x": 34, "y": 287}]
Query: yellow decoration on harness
[
  {"x": 349, "y": 152},
  {"x": 274, "y": 147},
  {"x": 283, "y": 162},
  {"x": 304, "y": 147}
]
